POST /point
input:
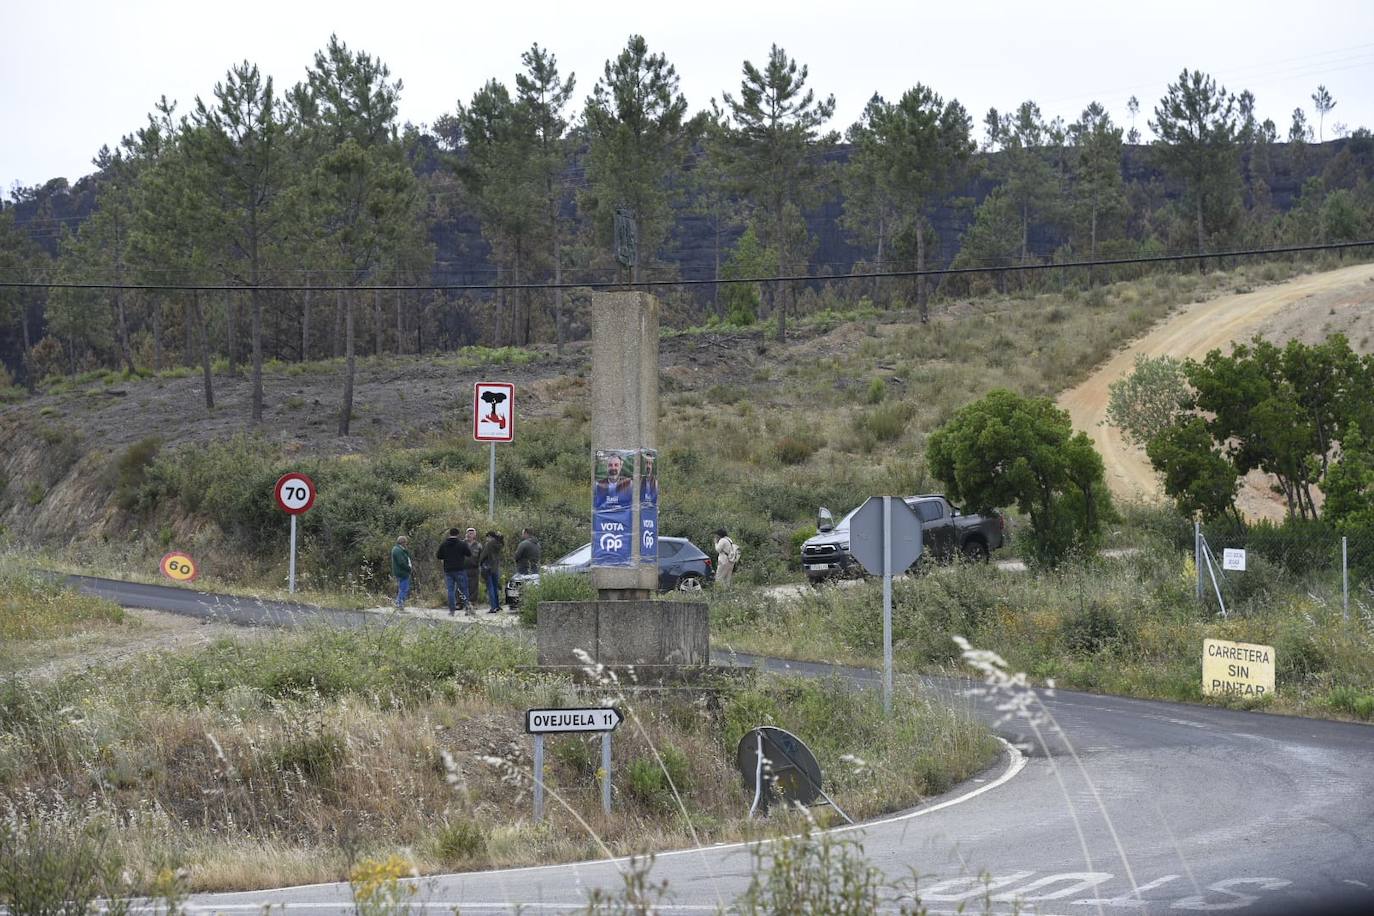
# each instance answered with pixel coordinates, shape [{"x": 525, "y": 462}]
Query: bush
[
  {"x": 648, "y": 783},
  {"x": 555, "y": 587},
  {"x": 794, "y": 449},
  {"x": 876, "y": 391},
  {"x": 883, "y": 424},
  {"x": 131, "y": 474},
  {"x": 461, "y": 841}
]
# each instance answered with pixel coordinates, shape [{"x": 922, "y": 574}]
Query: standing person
[
  {"x": 490, "y": 563},
  {"x": 471, "y": 574},
  {"x": 454, "y": 554},
  {"x": 727, "y": 555},
  {"x": 401, "y": 568},
  {"x": 527, "y": 553}
]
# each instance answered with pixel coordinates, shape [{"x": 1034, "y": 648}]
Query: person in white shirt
[{"x": 727, "y": 555}]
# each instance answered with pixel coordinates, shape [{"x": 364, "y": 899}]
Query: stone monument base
[{"x": 619, "y": 634}]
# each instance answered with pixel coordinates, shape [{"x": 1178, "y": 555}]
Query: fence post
[
  {"x": 1197, "y": 558},
  {"x": 1345, "y": 582}
]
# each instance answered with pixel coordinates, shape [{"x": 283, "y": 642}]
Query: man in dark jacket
[
  {"x": 472, "y": 575},
  {"x": 527, "y": 553},
  {"x": 454, "y": 553},
  {"x": 490, "y": 563}
]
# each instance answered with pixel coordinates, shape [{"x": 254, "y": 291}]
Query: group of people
[{"x": 467, "y": 561}]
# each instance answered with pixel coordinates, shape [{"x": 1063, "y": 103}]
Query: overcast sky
[{"x": 75, "y": 74}]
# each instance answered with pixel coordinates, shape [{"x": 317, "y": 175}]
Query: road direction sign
[
  {"x": 493, "y": 412},
  {"x": 558, "y": 721},
  {"x": 866, "y": 535},
  {"x": 295, "y": 493},
  {"x": 179, "y": 567}
]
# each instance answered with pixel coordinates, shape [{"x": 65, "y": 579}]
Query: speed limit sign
[
  {"x": 179, "y": 567},
  {"x": 295, "y": 493}
]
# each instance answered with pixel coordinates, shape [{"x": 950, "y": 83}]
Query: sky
[{"x": 76, "y": 74}]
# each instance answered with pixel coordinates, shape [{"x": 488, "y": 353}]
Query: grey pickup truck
[{"x": 945, "y": 533}]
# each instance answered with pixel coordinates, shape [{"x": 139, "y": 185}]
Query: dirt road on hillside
[{"x": 1192, "y": 332}]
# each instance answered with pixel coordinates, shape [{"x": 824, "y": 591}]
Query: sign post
[
  {"x": 885, "y": 537},
  {"x": 295, "y": 494},
  {"x": 493, "y": 421},
  {"x": 541, "y": 722}
]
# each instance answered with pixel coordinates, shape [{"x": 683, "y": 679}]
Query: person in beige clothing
[{"x": 727, "y": 555}]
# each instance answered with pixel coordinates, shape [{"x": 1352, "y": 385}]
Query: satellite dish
[{"x": 776, "y": 763}]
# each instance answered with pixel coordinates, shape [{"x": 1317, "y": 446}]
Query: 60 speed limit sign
[
  {"x": 178, "y": 566},
  {"x": 295, "y": 493}
]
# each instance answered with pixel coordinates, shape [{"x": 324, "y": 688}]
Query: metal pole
[
  {"x": 758, "y": 774},
  {"x": 1345, "y": 582},
  {"x": 491, "y": 486},
  {"x": 606, "y": 772},
  {"x": 538, "y": 778},
  {"x": 887, "y": 605},
  {"x": 1197, "y": 558},
  {"x": 292, "y": 586}
]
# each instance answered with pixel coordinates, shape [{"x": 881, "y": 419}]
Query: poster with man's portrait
[
  {"x": 648, "y": 477},
  {"x": 615, "y": 471}
]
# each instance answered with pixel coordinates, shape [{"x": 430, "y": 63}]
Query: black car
[{"x": 682, "y": 566}]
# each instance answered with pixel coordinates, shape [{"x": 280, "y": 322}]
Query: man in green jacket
[{"x": 400, "y": 568}]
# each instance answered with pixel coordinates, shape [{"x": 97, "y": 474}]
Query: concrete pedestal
[{"x": 624, "y": 633}]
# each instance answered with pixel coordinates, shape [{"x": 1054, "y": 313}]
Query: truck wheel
[{"x": 975, "y": 551}]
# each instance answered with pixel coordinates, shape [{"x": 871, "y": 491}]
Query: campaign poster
[
  {"x": 614, "y": 474},
  {"x": 648, "y": 535},
  {"x": 648, "y": 477},
  {"x": 612, "y": 537}
]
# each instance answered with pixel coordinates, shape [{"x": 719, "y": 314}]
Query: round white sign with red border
[{"x": 295, "y": 493}]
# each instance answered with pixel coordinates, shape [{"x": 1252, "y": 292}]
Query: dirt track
[{"x": 1191, "y": 332}]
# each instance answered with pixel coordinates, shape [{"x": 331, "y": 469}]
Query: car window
[
  {"x": 579, "y": 557},
  {"x": 930, "y": 510},
  {"x": 668, "y": 549}
]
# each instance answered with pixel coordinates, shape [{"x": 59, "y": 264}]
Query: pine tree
[{"x": 775, "y": 147}]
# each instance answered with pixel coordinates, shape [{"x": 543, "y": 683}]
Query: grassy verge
[
  {"x": 1127, "y": 625},
  {"x": 254, "y": 763}
]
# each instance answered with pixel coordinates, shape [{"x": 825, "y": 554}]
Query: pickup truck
[{"x": 945, "y": 533}]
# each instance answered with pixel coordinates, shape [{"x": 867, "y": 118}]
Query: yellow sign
[
  {"x": 178, "y": 567},
  {"x": 1242, "y": 669}
]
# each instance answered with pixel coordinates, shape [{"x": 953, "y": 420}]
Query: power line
[{"x": 647, "y": 284}]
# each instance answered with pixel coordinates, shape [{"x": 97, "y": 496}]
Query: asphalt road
[{"x": 1113, "y": 806}]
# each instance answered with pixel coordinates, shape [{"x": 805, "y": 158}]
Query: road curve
[
  {"x": 1124, "y": 806},
  {"x": 1190, "y": 332}
]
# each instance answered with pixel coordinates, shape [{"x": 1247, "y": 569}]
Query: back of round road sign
[{"x": 787, "y": 768}]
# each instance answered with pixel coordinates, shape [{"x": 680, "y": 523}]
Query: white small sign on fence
[{"x": 1233, "y": 558}]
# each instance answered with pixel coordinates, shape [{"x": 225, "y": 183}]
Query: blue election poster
[
  {"x": 611, "y": 537},
  {"x": 648, "y": 534}
]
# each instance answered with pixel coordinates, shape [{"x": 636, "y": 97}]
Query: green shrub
[
  {"x": 648, "y": 783},
  {"x": 877, "y": 389},
  {"x": 1351, "y": 701},
  {"x": 555, "y": 587},
  {"x": 461, "y": 841},
  {"x": 131, "y": 474},
  {"x": 315, "y": 755}
]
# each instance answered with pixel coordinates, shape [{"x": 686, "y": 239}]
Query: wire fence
[{"x": 1237, "y": 566}]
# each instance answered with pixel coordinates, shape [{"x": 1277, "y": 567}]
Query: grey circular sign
[{"x": 789, "y": 768}]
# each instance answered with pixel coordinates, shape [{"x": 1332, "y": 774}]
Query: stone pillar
[{"x": 625, "y": 411}]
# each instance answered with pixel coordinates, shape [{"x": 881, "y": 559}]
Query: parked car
[
  {"x": 945, "y": 534},
  {"x": 682, "y": 566}
]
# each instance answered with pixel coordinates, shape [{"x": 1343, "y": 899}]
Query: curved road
[
  {"x": 1191, "y": 332},
  {"x": 1118, "y": 806}
]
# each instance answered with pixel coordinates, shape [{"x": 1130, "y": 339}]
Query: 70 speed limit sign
[{"x": 295, "y": 493}]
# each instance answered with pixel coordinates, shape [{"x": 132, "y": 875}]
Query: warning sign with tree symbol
[{"x": 493, "y": 412}]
